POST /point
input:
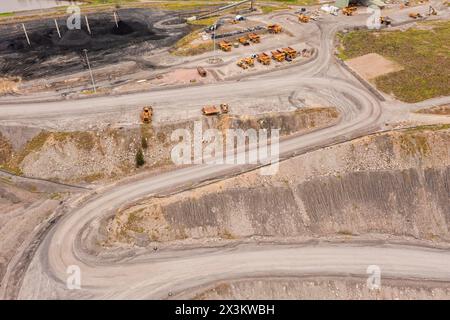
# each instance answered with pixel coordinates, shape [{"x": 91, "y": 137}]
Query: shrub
[{"x": 140, "y": 161}]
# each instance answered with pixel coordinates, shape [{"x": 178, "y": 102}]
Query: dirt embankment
[
  {"x": 321, "y": 288},
  {"x": 438, "y": 110},
  {"x": 90, "y": 156},
  {"x": 22, "y": 208},
  {"x": 393, "y": 184}
]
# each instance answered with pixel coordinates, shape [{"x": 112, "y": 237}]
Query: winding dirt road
[{"x": 148, "y": 274}]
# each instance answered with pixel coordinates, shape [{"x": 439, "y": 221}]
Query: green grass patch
[
  {"x": 293, "y": 2},
  {"x": 268, "y": 9},
  {"x": 423, "y": 52},
  {"x": 204, "y": 22},
  {"x": 7, "y": 14},
  {"x": 184, "y": 46},
  {"x": 429, "y": 127}
]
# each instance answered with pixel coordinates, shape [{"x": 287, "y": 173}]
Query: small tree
[
  {"x": 140, "y": 161},
  {"x": 144, "y": 143}
]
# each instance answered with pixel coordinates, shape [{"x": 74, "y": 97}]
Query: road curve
[
  {"x": 153, "y": 275},
  {"x": 65, "y": 245}
]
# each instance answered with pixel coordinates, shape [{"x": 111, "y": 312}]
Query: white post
[
  {"x": 57, "y": 28},
  {"x": 115, "y": 20},
  {"x": 90, "y": 71},
  {"x": 87, "y": 25},
  {"x": 26, "y": 34}
]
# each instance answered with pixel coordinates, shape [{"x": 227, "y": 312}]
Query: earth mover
[
  {"x": 415, "y": 15},
  {"x": 290, "y": 52},
  {"x": 274, "y": 28},
  {"x": 241, "y": 63},
  {"x": 255, "y": 38},
  {"x": 213, "y": 110},
  {"x": 210, "y": 111},
  {"x": 225, "y": 46},
  {"x": 147, "y": 114},
  {"x": 303, "y": 18},
  {"x": 349, "y": 11},
  {"x": 263, "y": 58},
  {"x": 249, "y": 61},
  {"x": 244, "y": 41},
  {"x": 278, "y": 55}
]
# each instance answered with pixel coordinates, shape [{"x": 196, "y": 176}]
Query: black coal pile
[{"x": 107, "y": 43}]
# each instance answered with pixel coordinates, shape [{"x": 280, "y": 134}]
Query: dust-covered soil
[
  {"x": 110, "y": 152},
  {"x": 391, "y": 184},
  {"x": 372, "y": 65}
]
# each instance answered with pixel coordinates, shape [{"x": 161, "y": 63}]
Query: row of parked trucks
[
  {"x": 278, "y": 55},
  {"x": 226, "y": 46}
]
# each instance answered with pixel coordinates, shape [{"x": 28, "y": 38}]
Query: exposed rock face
[
  {"x": 394, "y": 184},
  {"x": 110, "y": 153}
]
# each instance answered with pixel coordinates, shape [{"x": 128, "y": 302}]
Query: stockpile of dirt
[
  {"x": 392, "y": 184},
  {"x": 88, "y": 156}
]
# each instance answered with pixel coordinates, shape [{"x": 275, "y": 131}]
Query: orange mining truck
[
  {"x": 213, "y": 110},
  {"x": 274, "y": 28},
  {"x": 225, "y": 46},
  {"x": 263, "y": 58},
  {"x": 349, "y": 11},
  {"x": 244, "y": 41},
  {"x": 303, "y": 18},
  {"x": 415, "y": 15},
  {"x": 255, "y": 38},
  {"x": 290, "y": 53},
  {"x": 241, "y": 63},
  {"x": 210, "y": 111},
  {"x": 278, "y": 55},
  {"x": 244, "y": 63},
  {"x": 147, "y": 114}
]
